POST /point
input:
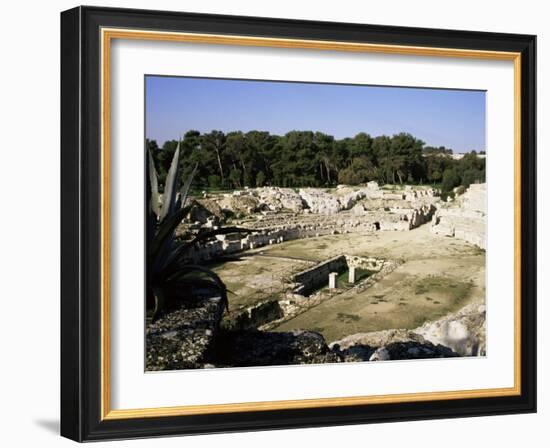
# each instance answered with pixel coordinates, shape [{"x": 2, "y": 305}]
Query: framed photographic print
[{"x": 273, "y": 223}]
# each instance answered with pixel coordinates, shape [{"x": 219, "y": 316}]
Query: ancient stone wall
[
  {"x": 312, "y": 278},
  {"x": 465, "y": 217},
  {"x": 282, "y": 214},
  {"x": 255, "y": 316},
  {"x": 285, "y": 227}
]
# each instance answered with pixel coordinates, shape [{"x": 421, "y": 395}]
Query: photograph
[{"x": 292, "y": 223}]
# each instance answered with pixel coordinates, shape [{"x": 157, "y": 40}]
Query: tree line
[{"x": 314, "y": 159}]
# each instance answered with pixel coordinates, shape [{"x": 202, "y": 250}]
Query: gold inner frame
[{"x": 107, "y": 35}]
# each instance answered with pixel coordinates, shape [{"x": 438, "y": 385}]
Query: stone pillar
[
  {"x": 332, "y": 280},
  {"x": 351, "y": 276}
]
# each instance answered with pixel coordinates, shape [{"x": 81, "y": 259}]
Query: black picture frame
[{"x": 81, "y": 224}]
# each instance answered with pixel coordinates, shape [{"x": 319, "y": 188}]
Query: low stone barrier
[
  {"x": 464, "y": 218},
  {"x": 254, "y": 316},
  {"x": 312, "y": 278}
]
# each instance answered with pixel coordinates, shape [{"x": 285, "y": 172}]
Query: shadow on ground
[{"x": 49, "y": 425}]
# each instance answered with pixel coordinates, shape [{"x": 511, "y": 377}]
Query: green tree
[
  {"x": 450, "y": 180},
  {"x": 360, "y": 171},
  {"x": 235, "y": 178},
  {"x": 215, "y": 141},
  {"x": 260, "y": 179},
  {"x": 214, "y": 181}
]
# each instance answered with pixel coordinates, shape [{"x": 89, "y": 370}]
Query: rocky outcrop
[
  {"x": 201, "y": 214},
  {"x": 259, "y": 348},
  {"x": 191, "y": 338},
  {"x": 212, "y": 206},
  {"x": 254, "y": 316},
  {"x": 344, "y": 198},
  {"x": 281, "y": 214},
  {"x": 277, "y": 199},
  {"x": 464, "y": 331},
  {"x": 280, "y": 227},
  {"x": 457, "y": 334},
  {"x": 320, "y": 202},
  {"x": 465, "y": 217},
  {"x": 388, "y": 345},
  {"x": 239, "y": 203},
  {"x": 182, "y": 339}
]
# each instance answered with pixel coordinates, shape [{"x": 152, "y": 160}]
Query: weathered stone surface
[
  {"x": 378, "y": 338},
  {"x": 181, "y": 339},
  {"x": 282, "y": 214},
  {"x": 277, "y": 198},
  {"x": 212, "y": 206},
  {"x": 254, "y": 316},
  {"x": 190, "y": 338},
  {"x": 411, "y": 350},
  {"x": 388, "y": 345},
  {"x": 258, "y": 348},
  {"x": 243, "y": 204},
  {"x": 464, "y": 218},
  {"x": 464, "y": 331},
  {"x": 318, "y": 275},
  {"x": 457, "y": 334},
  {"x": 320, "y": 202},
  {"x": 199, "y": 213}
]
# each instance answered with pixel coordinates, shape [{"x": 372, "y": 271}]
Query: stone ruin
[
  {"x": 307, "y": 289},
  {"x": 276, "y": 215},
  {"x": 311, "y": 279},
  {"x": 282, "y": 214},
  {"x": 465, "y": 217}
]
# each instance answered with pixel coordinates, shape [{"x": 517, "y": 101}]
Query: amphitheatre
[{"x": 360, "y": 273}]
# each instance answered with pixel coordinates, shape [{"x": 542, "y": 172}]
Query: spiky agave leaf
[
  {"x": 163, "y": 240},
  {"x": 182, "y": 199},
  {"x": 171, "y": 187},
  {"x": 160, "y": 302},
  {"x": 162, "y": 243},
  {"x": 170, "y": 275},
  {"x": 154, "y": 202}
]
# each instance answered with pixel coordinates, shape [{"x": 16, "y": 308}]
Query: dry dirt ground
[
  {"x": 439, "y": 275},
  {"x": 255, "y": 276}
]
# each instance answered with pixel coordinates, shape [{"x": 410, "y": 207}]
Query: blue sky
[{"x": 451, "y": 118}]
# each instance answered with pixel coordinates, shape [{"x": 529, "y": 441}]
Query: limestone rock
[
  {"x": 464, "y": 218},
  {"x": 254, "y": 316},
  {"x": 412, "y": 350},
  {"x": 182, "y": 338},
  {"x": 464, "y": 331},
  {"x": 242, "y": 204},
  {"x": 389, "y": 345},
  {"x": 319, "y": 201},
  {"x": 378, "y": 338},
  {"x": 199, "y": 213},
  {"x": 258, "y": 348},
  {"x": 212, "y": 206},
  {"x": 277, "y": 199}
]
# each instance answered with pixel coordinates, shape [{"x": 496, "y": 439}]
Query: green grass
[
  {"x": 360, "y": 275},
  {"x": 456, "y": 290},
  {"x": 348, "y": 318}
]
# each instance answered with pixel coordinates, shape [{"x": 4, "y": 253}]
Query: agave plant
[{"x": 171, "y": 278}]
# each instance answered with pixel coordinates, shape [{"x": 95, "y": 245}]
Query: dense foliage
[{"x": 314, "y": 159}]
